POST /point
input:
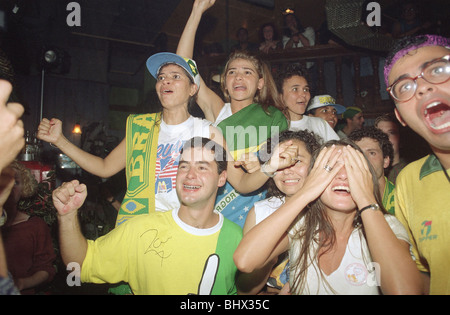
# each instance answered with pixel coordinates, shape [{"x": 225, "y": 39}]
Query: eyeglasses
[{"x": 435, "y": 72}]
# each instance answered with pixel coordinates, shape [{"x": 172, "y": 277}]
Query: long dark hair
[
  {"x": 286, "y": 30},
  {"x": 317, "y": 229}
]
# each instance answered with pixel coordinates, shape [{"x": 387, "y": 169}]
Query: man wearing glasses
[{"x": 417, "y": 73}]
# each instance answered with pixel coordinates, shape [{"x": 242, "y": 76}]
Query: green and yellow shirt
[
  {"x": 160, "y": 254},
  {"x": 422, "y": 204}
]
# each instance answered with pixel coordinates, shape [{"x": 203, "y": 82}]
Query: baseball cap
[
  {"x": 156, "y": 61},
  {"x": 325, "y": 100},
  {"x": 351, "y": 111}
]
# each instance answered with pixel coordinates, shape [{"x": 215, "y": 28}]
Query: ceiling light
[
  {"x": 288, "y": 11},
  {"x": 56, "y": 60},
  {"x": 77, "y": 129},
  {"x": 50, "y": 56}
]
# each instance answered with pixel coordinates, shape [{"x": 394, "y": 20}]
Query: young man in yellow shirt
[
  {"x": 183, "y": 251},
  {"x": 417, "y": 73}
]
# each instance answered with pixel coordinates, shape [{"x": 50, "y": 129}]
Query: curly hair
[
  {"x": 377, "y": 135},
  {"x": 311, "y": 142},
  {"x": 290, "y": 71},
  {"x": 404, "y": 43},
  {"x": 29, "y": 182}
]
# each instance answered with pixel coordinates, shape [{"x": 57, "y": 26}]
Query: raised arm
[
  {"x": 187, "y": 41},
  {"x": 269, "y": 238},
  {"x": 284, "y": 156},
  {"x": 68, "y": 198},
  {"x": 51, "y": 131},
  {"x": 398, "y": 272},
  {"x": 207, "y": 99}
]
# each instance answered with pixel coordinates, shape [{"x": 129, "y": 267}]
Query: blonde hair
[
  {"x": 268, "y": 94},
  {"x": 29, "y": 182}
]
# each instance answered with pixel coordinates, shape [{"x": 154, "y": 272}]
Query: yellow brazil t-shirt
[
  {"x": 159, "y": 254},
  {"x": 422, "y": 204}
]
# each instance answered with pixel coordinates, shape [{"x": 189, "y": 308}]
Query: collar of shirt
[{"x": 430, "y": 166}]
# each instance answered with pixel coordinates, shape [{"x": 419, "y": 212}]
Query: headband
[{"x": 430, "y": 40}]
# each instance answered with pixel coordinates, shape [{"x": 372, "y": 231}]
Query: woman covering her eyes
[{"x": 339, "y": 237}]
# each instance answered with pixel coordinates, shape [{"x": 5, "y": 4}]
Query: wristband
[
  {"x": 374, "y": 207},
  {"x": 357, "y": 220}
]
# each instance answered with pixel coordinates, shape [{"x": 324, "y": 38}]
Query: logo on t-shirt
[
  {"x": 425, "y": 232},
  {"x": 167, "y": 160},
  {"x": 358, "y": 274}
]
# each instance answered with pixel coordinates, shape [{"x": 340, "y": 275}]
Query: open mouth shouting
[
  {"x": 437, "y": 116},
  {"x": 239, "y": 88},
  {"x": 341, "y": 189}
]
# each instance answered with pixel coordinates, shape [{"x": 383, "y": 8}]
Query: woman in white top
[
  {"x": 294, "y": 90},
  {"x": 340, "y": 239},
  {"x": 280, "y": 188},
  {"x": 295, "y": 35}
]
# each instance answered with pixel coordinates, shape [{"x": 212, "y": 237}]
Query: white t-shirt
[
  {"x": 315, "y": 124},
  {"x": 309, "y": 33},
  {"x": 266, "y": 207},
  {"x": 225, "y": 112},
  {"x": 355, "y": 275},
  {"x": 170, "y": 142}
]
